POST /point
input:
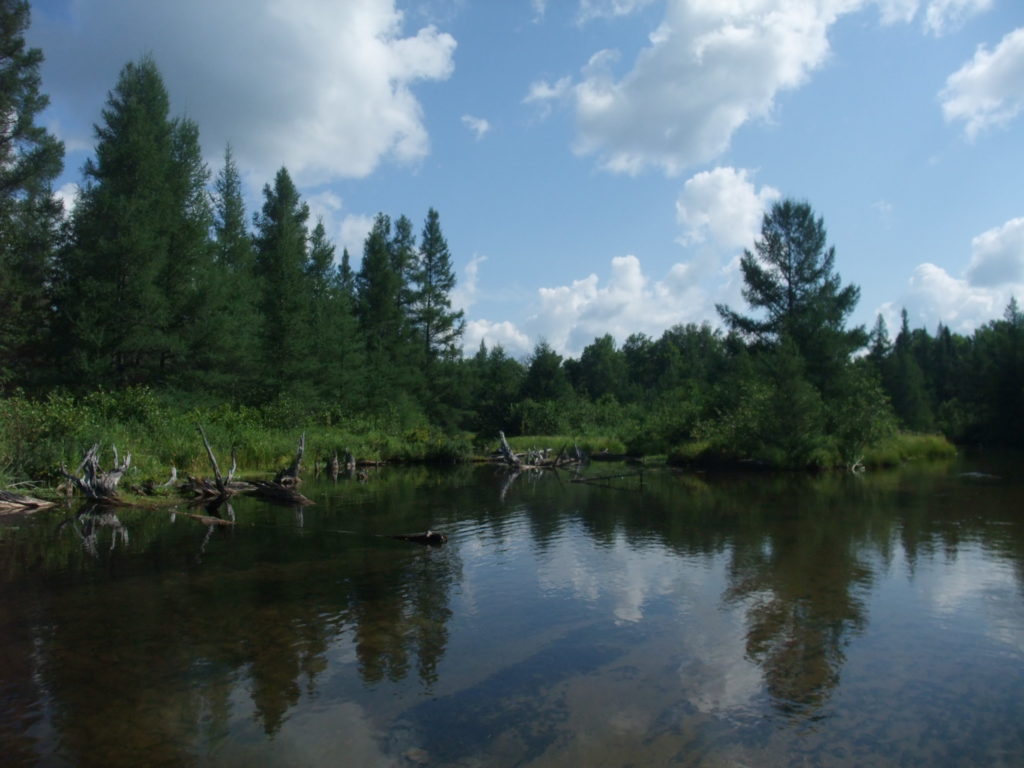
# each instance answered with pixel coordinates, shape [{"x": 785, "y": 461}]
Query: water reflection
[{"x": 700, "y": 621}]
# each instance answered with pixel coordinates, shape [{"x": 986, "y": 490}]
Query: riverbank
[{"x": 38, "y": 437}]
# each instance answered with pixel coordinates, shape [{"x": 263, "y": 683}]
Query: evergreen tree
[
  {"x": 496, "y": 382},
  {"x": 30, "y": 159},
  {"x": 346, "y": 276},
  {"x": 378, "y": 310},
  {"x": 236, "y": 278},
  {"x": 120, "y": 284},
  {"x": 281, "y": 241},
  {"x": 333, "y": 326},
  {"x": 545, "y": 379},
  {"x": 437, "y": 326},
  {"x": 404, "y": 263},
  {"x": 189, "y": 278},
  {"x": 906, "y": 384},
  {"x": 999, "y": 372},
  {"x": 792, "y": 279},
  {"x": 879, "y": 345}
]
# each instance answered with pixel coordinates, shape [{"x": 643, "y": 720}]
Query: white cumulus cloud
[
  {"x": 988, "y": 91},
  {"x": 494, "y": 334},
  {"x": 322, "y": 88},
  {"x": 723, "y": 205},
  {"x": 352, "y": 234},
  {"x": 997, "y": 256},
  {"x": 709, "y": 68},
  {"x": 572, "y": 316},
  {"x": 994, "y": 275}
]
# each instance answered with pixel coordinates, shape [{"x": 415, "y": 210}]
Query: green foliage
[
  {"x": 131, "y": 286},
  {"x": 903, "y": 447},
  {"x": 281, "y": 266},
  {"x": 792, "y": 279},
  {"x": 30, "y": 159},
  {"x": 437, "y": 326},
  {"x": 161, "y": 309}
]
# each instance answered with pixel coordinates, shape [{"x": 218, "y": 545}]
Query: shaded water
[{"x": 721, "y": 620}]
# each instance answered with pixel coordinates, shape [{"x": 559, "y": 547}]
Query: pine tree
[
  {"x": 236, "y": 278},
  {"x": 404, "y": 263},
  {"x": 30, "y": 159},
  {"x": 792, "y": 279},
  {"x": 189, "y": 278},
  {"x": 377, "y": 289},
  {"x": 905, "y": 382},
  {"x": 119, "y": 285},
  {"x": 281, "y": 242},
  {"x": 438, "y": 327}
]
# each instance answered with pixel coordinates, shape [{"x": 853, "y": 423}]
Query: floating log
[
  {"x": 16, "y": 502},
  {"x": 94, "y": 483},
  {"x": 433, "y": 538}
]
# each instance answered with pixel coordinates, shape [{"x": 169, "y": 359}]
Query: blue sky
[{"x": 599, "y": 165}]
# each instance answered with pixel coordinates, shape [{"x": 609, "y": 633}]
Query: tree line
[{"x": 160, "y": 278}]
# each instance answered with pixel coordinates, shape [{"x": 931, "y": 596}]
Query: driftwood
[
  {"x": 94, "y": 483},
  {"x": 290, "y": 474},
  {"x": 15, "y": 502},
  {"x": 507, "y": 453},
  {"x": 221, "y": 487},
  {"x": 536, "y": 458}
]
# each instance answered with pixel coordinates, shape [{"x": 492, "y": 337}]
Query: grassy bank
[
  {"x": 890, "y": 451},
  {"x": 38, "y": 436}
]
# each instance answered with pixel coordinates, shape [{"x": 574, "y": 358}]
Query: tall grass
[
  {"x": 37, "y": 437},
  {"x": 908, "y": 446}
]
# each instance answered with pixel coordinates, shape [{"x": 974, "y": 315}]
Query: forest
[{"x": 158, "y": 302}]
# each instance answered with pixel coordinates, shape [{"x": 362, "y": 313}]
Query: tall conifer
[
  {"x": 138, "y": 236},
  {"x": 281, "y": 242},
  {"x": 30, "y": 159}
]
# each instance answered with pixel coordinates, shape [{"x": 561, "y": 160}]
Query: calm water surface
[{"x": 704, "y": 620}]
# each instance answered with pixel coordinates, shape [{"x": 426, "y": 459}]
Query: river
[{"x": 658, "y": 617}]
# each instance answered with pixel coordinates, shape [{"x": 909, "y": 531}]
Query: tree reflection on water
[{"x": 130, "y": 638}]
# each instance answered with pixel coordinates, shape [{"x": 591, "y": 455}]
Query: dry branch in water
[{"x": 94, "y": 483}]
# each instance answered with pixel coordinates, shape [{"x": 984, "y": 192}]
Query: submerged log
[
  {"x": 434, "y": 538},
  {"x": 16, "y": 502},
  {"x": 94, "y": 483},
  {"x": 283, "y": 494}
]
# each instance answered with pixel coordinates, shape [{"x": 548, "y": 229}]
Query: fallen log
[
  {"x": 94, "y": 483},
  {"x": 16, "y": 502}
]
